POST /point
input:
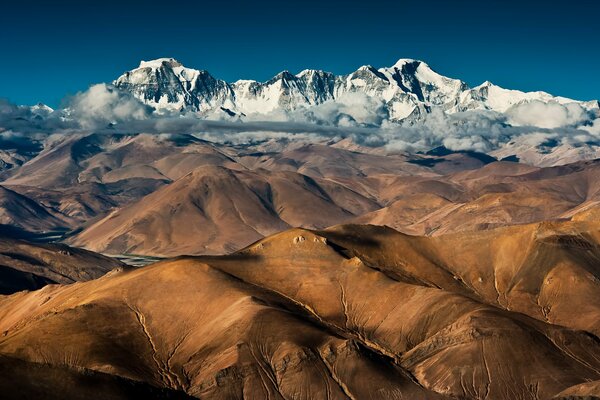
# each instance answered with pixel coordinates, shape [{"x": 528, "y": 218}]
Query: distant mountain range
[{"x": 405, "y": 91}]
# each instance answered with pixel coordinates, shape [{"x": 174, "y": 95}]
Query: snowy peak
[
  {"x": 430, "y": 87},
  {"x": 489, "y": 96},
  {"x": 159, "y": 62},
  {"x": 161, "y": 69},
  {"x": 41, "y": 109},
  {"x": 167, "y": 85},
  {"x": 403, "y": 61}
]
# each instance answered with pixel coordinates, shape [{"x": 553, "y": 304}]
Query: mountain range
[
  {"x": 407, "y": 107},
  {"x": 405, "y": 91}
]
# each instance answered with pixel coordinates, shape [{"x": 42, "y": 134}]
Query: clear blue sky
[{"x": 54, "y": 48}]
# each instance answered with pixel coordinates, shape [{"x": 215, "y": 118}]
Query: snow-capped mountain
[
  {"x": 406, "y": 90},
  {"x": 488, "y": 96},
  {"x": 41, "y": 109},
  {"x": 166, "y": 84}
]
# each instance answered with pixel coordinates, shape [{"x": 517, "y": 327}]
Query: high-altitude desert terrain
[
  {"x": 353, "y": 311},
  {"x": 171, "y": 195},
  {"x": 304, "y": 272},
  {"x": 387, "y": 234}
]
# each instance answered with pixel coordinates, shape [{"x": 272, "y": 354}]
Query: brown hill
[
  {"x": 72, "y": 159},
  {"x": 26, "y": 380},
  {"x": 216, "y": 210},
  {"x": 117, "y": 189},
  {"x": 235, "y": 207},
  {"x": 543, "y": 270},
  {"x": 217, "y": 338},
  {"x": 349, "y": 312},
  {"x": 583, "y": 391},
  {"x": 498, "y": 194},
  {"x": 321, "y": 161},
  {"x": 84, "y": 176}
]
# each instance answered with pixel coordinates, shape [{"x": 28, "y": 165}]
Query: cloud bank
[
  {"x": 102, "y": 104},
  {"x": 105, "y": 109},
  {"x": 547, "y": 115}
]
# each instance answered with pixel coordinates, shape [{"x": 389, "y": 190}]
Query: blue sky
[{"x": 52, "y": 49}]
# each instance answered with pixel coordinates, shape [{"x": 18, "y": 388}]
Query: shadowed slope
[
  {"x": 25, "y": 380},
  {"x": 22, "y": 212},
  {"x": 29, "y": 266}
]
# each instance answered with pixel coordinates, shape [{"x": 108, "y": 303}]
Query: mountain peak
[
  {"x": 308, "y": 72},
  {"x": 285, "y": 74},
  {"x": 157, "y": 63},
  {"x": 366, "y": 68},
  {"x": 41, "y": 109},
  {"x": 403, "y": 61}
]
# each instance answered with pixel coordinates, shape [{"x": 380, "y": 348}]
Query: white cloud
[
  {"x": 546, "y": 115},
  {"x": 102, "y": 104},
  {"x": 356, "y": 115},
  {"x": 351, "y": 109},
  {"x": 594, "y": 128}
]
